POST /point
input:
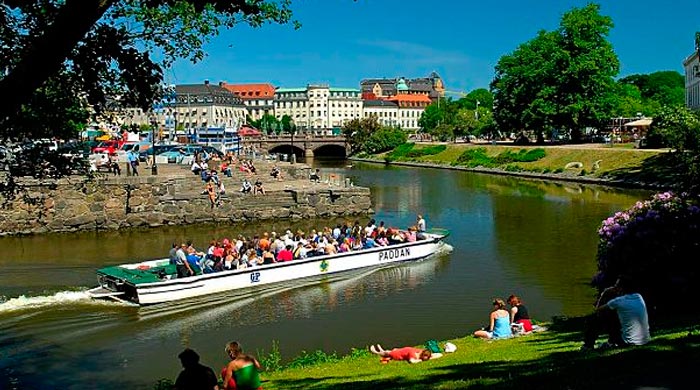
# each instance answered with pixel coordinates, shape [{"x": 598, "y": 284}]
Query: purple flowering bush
[{"x": 655, "y": 243}]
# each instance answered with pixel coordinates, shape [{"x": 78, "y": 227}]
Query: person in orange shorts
[{"x": 409, "y": 354}]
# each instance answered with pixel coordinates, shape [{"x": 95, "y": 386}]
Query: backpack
[{"x": 433, "y": 346}]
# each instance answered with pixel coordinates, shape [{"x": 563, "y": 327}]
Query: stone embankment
[{"x": 174, "y": 197}]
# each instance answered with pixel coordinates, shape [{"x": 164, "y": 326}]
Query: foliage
[
  {"x": 561, "y": 79},
  {"x": 306, "y": 359},
  {"x": 358, "y": 131},
  {"x": 287, "y": 123},
  {"x": 268, "y": 124},
  {"x": 679, "y": 128},
  {"x": 408, "y": 150},
  {"x": 654, "y": 245},
  {"x": 475, "y": 157},
  {"x": 59, "y": 57},
  {"x": 271, "y": 361},
  {"x": 446, "y": 119},
  {"x": 386, "y": 138}
]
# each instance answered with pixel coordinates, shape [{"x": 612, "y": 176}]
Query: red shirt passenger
[{"x": 285, "y": 254}]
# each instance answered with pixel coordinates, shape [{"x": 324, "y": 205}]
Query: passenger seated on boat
[
  {"x": 331, "y": 248},
  {"x": 411, "y": 235},
  {"x": 173, "y": 253},
  {"x": 369, "y": 243},
  {"x": 285, "y": 254},
  {"x": 357, "y": 243},
  {"x": 182, "y": 265},
  {"x": 267, "y": 257},
  {"x": 193, "y": 261},
  {"x": 394, "y": 236},
  {"x": 344, "y": 246},
  {"x": 382, "y": 240},
  {"x": 299, "y": 251}
]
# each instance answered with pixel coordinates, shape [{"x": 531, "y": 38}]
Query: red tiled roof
[
  {"x": 251, "y": 91},
  {"x": 418, "y": 98}
]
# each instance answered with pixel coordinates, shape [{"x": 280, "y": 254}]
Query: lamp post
[
  {"x": 154, "y": 167},
  {"x": 293, "y": 156}
]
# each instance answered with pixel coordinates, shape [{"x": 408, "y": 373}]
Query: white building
[
  {"x": 318, "y": 106},
  {"x": 402, "y": 110},
  {"x": 692, "y": 79},
  {"x": 195, "y": 106}
]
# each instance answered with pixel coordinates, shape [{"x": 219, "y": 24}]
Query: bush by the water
[
  {"x": 408, "y": 150},
  {"x": 383, "y": 140},
  {"x": 478, "y": 157},
  {"x": 655, "y": 245}
]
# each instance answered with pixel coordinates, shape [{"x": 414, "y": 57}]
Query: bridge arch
[
  {"x": 330, "y": 150},
  {"x": 287, "y": 149}
]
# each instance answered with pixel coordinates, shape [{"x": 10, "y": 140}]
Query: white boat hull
[{"x": 213, "y": 283}]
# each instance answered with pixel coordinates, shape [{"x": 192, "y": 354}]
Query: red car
[{"x": 109, "y": 147}]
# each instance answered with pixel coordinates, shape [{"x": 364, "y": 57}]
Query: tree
[
  {"x": 358, "y": 131},
  {"x": 286, "y": 123},
  {"x": 100, "y": 51},
  {"x": 561, "y": 79}
]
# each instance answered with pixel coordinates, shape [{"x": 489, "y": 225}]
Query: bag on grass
[{"x": 433, "y": 346}]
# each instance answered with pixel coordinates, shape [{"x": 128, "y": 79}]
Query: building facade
[
  {"x": 692, "y": 79},
  {"x": 402, "y": 110},
  {"x": 318, "y": 106},
  {"x": 431, "y": 86},
  {"x": 258, "y": 98},
  {"x": 206, "y": 105}
]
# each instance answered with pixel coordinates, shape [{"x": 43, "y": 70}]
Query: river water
[{"x": 508, "y": 235}]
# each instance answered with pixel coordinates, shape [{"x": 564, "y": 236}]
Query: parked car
[
  {"x": 109, "y": 147},
  {"x": 144, "y": 154},
  {"x": 175, "y": 156}
]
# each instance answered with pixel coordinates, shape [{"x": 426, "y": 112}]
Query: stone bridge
[{"x": 300, "y": 145}]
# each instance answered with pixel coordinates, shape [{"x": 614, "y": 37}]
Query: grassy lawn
[
  {"x": 621, "y": 163},
  {"x": 548, "y": 360}
]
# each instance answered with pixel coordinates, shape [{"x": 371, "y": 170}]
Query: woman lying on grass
[{"x": 409, "y": 354}]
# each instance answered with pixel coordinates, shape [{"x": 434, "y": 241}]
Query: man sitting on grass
[{"x": 624, "y": 318}]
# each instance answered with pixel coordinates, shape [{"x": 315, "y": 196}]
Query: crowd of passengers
[{"x": 244, "y": 252}]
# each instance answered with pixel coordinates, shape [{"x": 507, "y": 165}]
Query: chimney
[{"x": 206, "y": 82}]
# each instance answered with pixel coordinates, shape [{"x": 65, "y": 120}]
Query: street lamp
[{"x": 293, "y": 156}]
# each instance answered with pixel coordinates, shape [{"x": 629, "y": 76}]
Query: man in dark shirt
[{"x": 195, "y": 376}]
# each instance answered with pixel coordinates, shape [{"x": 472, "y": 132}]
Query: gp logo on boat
[
  {"x": 254, "y": 277},
  {"x": 392, "y": 254}
]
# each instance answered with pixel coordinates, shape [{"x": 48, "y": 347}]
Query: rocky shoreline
[{"x": 175, "y": 197}]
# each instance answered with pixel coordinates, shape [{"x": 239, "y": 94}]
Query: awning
[{"x": 640, "y": 122}]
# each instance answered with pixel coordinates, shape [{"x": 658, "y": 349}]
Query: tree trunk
[{"x": 48, "y": 52}]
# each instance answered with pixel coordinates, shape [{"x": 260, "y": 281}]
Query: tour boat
[{"x": 155, "y": 281}]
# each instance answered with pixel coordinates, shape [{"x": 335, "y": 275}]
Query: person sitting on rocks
[
  {"x": 246, "y": 188},
  {"x": 315, "y": 176},
  {"x": 258, "y": 189},
  {"x": 276, "y": 173}
]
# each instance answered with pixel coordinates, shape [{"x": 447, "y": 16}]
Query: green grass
[
  {"x": 548, "y": 360},
  {"x": 622, "y": 163}
]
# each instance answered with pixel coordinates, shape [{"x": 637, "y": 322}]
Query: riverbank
[
  {"x": 175, "y": 197},
  {"x": 547, "y": 360},
  {"x": 590, "y": 164}
]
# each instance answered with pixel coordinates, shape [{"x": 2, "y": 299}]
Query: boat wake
[{"x": 60, "y": 298}]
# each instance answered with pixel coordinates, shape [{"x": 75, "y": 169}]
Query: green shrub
[
  {"x": 583, "y": 172},
  {"x": 546, "y": 170},
  {"x": 427, "y": 151},
  {"x": 271, "y": 361},
  {"x": 559, "y": 170},
  {"x": 400, "y": 151},
  {"x": 512, "y": 168},
  {"x": 475, "y": 157},
  {"x": 383, "y": 140},
  {"x": 306, "y": 359}
]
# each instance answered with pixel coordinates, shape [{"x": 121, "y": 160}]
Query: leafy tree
[
  {"x": 384, "y": 139},
  {"x": 679, "y": 128},
  {"x": 481, "y": 95},
  {"x": 665, "y": 87},
  {"x": 440, "y": 111},
  {"x": 358, "y": 131},
  {"x": 80, "y": 53},
  {"x": 561, "y": 79},
  {"x": 443, "y": 132},
  {"x": 286, "y": 123}
]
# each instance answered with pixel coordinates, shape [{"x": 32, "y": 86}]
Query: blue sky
[{"x": 343, "y": 41}]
